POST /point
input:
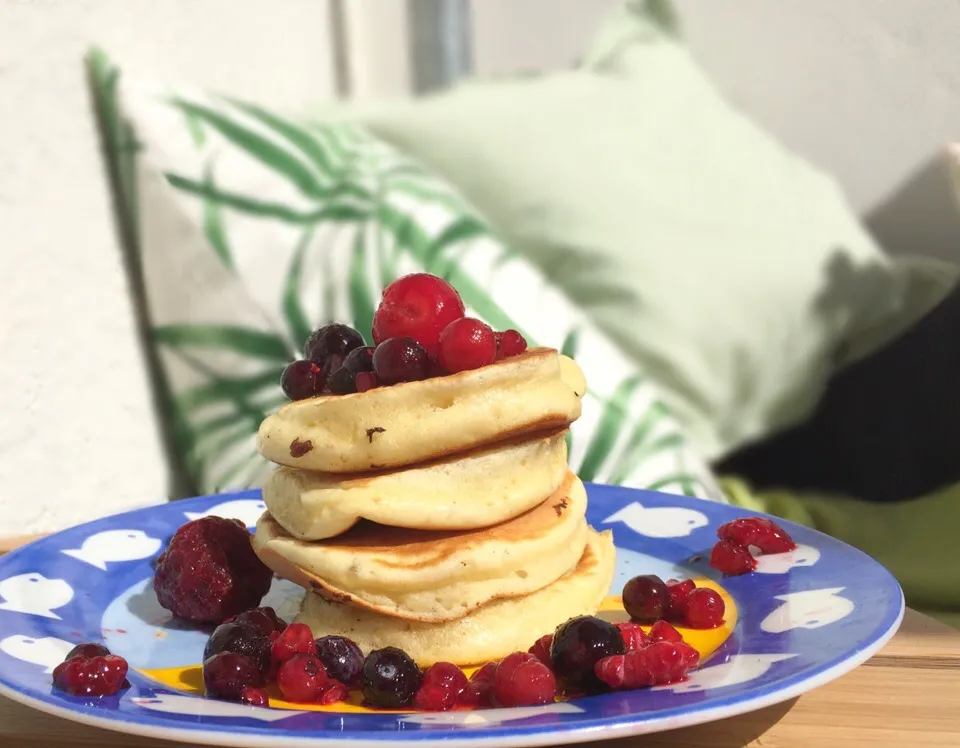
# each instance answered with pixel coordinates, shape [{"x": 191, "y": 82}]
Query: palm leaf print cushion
[{"x": 251, "y": 230}]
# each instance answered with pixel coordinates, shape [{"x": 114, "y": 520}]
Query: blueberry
[
  {"x": 342, "y": 658},
  {"x": 390, "y": 678},
  {"x": 579, "y": 644}
]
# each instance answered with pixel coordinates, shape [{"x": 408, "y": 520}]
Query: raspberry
[
  {"x": 87, "y": 649},
  {"x": 209, "y": 571},
  {"x": 254, "y": 696},
  {"x": 760, "y": 532},
  {"x": 342, "y": 658},
  {"x": 390, "y": 678},
  {"x": 303, "y": 679},
  {"x": 732, "y": 558},
  {"x": 634, "y": 637},
  {"x": 578, "y": 644},
  {"x": 662, "y": 631},
  {"x": 295, "y": 639},
  {"x": 265, "y": 619},
  {"x": 419, "y": 306},
  {"x": 226, "y": 674},
  {"x": 541, "y": 649},
  {"x": 658, "y": 664},
  {"x": 510, "y": 344},
  {"x": 481, "y": 684},
  {"x": 443, "y": 683},
  {"x": 245, "y": 639},
  {"x": 522, "y": 680},
  {"x": 101, "y": 675},
  {"x": 467, "y": 344},
  {"x": 646, "y": 598},
  {"x": 400, "y": 360},
  {"x": 705, "y": 609},
  {"x": 678, "y": 591}
]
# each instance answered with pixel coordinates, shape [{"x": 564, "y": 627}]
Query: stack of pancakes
[{"x": 436, "y": 516}]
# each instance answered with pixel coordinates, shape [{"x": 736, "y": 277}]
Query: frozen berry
[
  {"x": 254, "y": 696},
  {"x": 759, "y": 532},
  {"x": 522, "y": 680},
  {"x": 87, "y": 649},
  {"x": 295, "y": 639},
  {"x": 330, "y": 345},
  {"x": 265, "y": 619},
  {"x": 303, "y": 679},
  {"x": 342, "y": 658},
  {"x": 510, "y": 344},
  {"x": 705, "y": 609},
  {"x": 365, "y": 380},
  {"x": 467, "y": 344},
  {"x": 443, "y": 683},
  {"x": 209, "y": 571},
  {"x": 659, "y": 664},
  {"x": 302, "y": 379},
  {"x": 100, "y": 675},
  {"x": 243, "y": 638},
  {"x": 732, "y": 558},
  {"x": 400, "y": 360},
  {"x": 578, "y": 644},
  {"x": 541, "y": 649},
  {"x": 344, "y": 380},
  {"x": 645, "y": 598},
  {"x": 390, "y": 678},
  {"x": 634, "y": 637},
  {"x": 226, "y": 674},
  {"x": 481, "y": 684},
  {"x": 678, "y": 592},
  {"x": 418, "y": 306},
  {"x": 662, "y": 631}
]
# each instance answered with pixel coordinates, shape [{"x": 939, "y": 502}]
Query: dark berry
[
  {"x": 510, "y": 344},
  {"x": 467, "y": 344},
  {"x": 358, "y": 361},
  {"x": 443, "y": 684},
  {"x": 481, "y": 684},
  {"x": 330, "y": 345},
  {"x": 295, "y": 639},
  {"x": 342, "y": 658},
  {"x": 634, "y": 637},
  {"x": 243, "y": 638},
  {"x": 658, "y": 664},
  {"x": 522, "y": 680},
  {"x": 254, "y": 696},
  {"x": 226, "y": 674},
  {"x": 662, "y": 631},
  {"x": 732, "y": 558},
  {"x": 759, "y": 532},
  {"x": 366, "y": 380},
  {"x": 303, "y": 679},
  {"x": 577, "y": 646},
  {"x": 678, "y": 591},
  {"x": 209, "y": 571},
  {"x": 265, "y": 619},
  {"x": 400, "y": 360},
  {"x": 645, "y": 598},
  {"x": 302, "y": 379},
  {"x": 417, "y": 306},
  {"x": 390, "y": 678},
  {"x": 705, "y": 609},
  {"x": 541, "y": 649},
  {"x": 87, "y": 649},
  {"x": 100, "y": 675}
]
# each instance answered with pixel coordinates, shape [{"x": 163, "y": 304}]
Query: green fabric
[
  {"x": 720, "y": 262},
  {"x": 916, "y": 540}
]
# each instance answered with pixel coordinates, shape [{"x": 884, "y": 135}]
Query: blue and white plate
[{"x": 803, "y": 619}]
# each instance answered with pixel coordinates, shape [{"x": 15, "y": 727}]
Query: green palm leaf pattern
[
  {"x": 213, "y": 227},
  {"x": 240, "y": 340},
  {"x": 293, "y": 311},
  {"x": 612, "y": 418},
  {"x": 362, "y": 304}
]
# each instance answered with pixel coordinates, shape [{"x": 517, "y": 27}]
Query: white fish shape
[
  {"x": 247, "y": 511},
  {"x": 781, "y": 563},
  {"x": 47, "y": 652},
  {"x": 659, "y": 522},
  {"x": 115, "y": 545},
  {"x": 491, "y": 716},
  {"x": 198, "y": 706},
  {"x": 740, "y": 668},
  {"x": 33, "y": 593},
  {"x": 808, "y": 610}
]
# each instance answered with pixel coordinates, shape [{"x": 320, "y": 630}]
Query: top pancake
[{"x": 413, "y": 422}]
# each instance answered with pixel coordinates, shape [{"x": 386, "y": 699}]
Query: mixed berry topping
[
  {"x": 444, "y": 687},
  {"x": 541, "y": 649},
  {"x": 244, "y": 639},
  {"x": 419, "y": 330},
  {"x": 656, "y": 664},
  {"x": 522, "y": 680},
  {"x": 732, "y": 554},
  {"x": 295, "y": 639},
  {"x": 390, "y": 678},
  {"x": 634, "y": 637},
  {"x": 646, "y": 599},
  {"x": 342, "y": 658},
  {"x": 265, "y": 619},
  {"x": 579, "y": 644},
  {"x": 91, "y": 670},
  {"x": 226, "y": 674},
  {"x": 303, "y": 679}
]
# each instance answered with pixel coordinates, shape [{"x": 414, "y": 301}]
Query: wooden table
[{"x": 908, "y": 694}]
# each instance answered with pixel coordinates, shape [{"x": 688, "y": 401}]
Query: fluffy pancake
[
  {"x": 464, "y": 492},
  {"x": 435, "y": 576},
  {"x": 415, "y": 422},
  {"x": 490, "y": 632}
]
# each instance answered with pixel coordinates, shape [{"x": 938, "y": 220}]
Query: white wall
[{"x": 78, "y": 437}]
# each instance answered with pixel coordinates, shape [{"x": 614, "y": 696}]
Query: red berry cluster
[
  {"x": 90, "y": 669},
  {"x": 732, "y": 554},
  {"x": 420, "y": 330},
  {"x": 648, "y": 599}
]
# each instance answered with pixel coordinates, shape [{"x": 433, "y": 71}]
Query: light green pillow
[{"x": 720, "y": 262}]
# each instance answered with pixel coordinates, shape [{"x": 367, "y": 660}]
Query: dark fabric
[{"x": 887, "y": 428}]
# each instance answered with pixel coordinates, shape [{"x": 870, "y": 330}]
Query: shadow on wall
[{"x": 921, "y": 216}]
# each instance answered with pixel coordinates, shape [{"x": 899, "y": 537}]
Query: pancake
[
  {"x": 435, "y": 576},
  {"x": 415, "y": 422},
  {"x": 464, "y": 492},
  {"x": 490, "y": 632}
]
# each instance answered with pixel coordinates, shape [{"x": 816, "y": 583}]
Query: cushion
[{"x": 251, "y": 229}]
